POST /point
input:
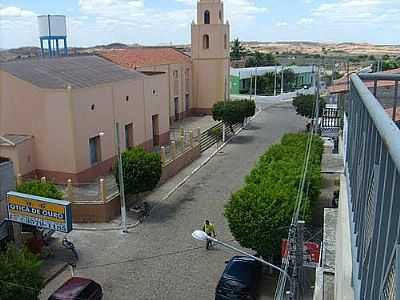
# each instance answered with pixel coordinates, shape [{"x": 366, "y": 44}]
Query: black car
[
  {"x": 77, "y": 288},
  {"x": 240, "y": 279}
]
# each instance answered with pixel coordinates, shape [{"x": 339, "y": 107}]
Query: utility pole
[
  {"x": 255, "y": 86},
  {"x": 282, "y": 79},
  {"x": 121, "y": 180},
  {"x": 296, "y": 255},
  {"x": 276, "y": 71},
  {"x": 251, "y": 84},
  {"x": 317, "y": 100}
]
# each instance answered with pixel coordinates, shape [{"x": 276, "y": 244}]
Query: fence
[
  {"x": 182, "y": 141},
  {"x": 373, "y": 165}
]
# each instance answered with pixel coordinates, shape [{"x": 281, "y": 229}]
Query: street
[{"x": 159, "y": 259}]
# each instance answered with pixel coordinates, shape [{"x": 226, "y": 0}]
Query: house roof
[
  {"x": 74, "y": 71},
  {"x": 148, "y": 56},
  {"x": 340, "y": 85}
]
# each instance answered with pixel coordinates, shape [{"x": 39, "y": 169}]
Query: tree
[
  {"x": 260, "y": 59},
  {"x": 19, "y": 274},
  {"x": 42, "y": 189},
  {"x": 260, "y": 213},
  {"x": 142, "y": 170},
  {"x": 233, "y": 112},
  {"x": 237, "y": 50},
  {"x": 305, "y": 105}
]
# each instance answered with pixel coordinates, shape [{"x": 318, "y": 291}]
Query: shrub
[
  {"x": 260, "y": 213},
  {"x": 42, "y": 189},
  {"x": 305, "y": 105},
  {"x": 19, "y": 274},
  {"x": 233, "y": 112},
  {"x": 142, "y": 170}
]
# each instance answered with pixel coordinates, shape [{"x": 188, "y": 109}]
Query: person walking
[{"x": 209, "y": 229}]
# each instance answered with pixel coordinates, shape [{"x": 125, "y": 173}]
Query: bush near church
[
  {"x": 233, "y": 112},
  {"x": 19, "y": 274},
  {"x": 42, "y": 189},
  {"x": 305, "y": 105},
  {"x": 260, "y": 213},
  {"x": 142, "y": 170}
]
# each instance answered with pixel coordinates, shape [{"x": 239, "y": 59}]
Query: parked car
[
  {"x": 78, "y": 288},
  {"x": 240, "y": 279}
]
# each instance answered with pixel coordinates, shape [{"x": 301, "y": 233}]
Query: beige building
[
  {"x": 177, "y": 66},
  {"x": 196, "y": 82},
  {"x": 211, "y": 56},
  {"x": 57, "y": 115}
]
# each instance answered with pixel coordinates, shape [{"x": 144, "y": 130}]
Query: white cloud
[
  {"x": 13, "y": 11},
  {"x": 305, "y": 21},
  {"x": 281, "y": 24}
]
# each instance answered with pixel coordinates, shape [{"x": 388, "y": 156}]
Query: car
[
  {"x": 240, "y": 279},
  {"x": 78, "y": 288}
]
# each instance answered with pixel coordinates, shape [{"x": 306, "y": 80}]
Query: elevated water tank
[{"x": 52, "y": 30}]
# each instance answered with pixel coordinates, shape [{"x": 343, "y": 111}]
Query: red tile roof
[
  {"x": 150, "y": 56},
  {"x": 389, "y": 111},
  {"x": 340, "y": 85}
]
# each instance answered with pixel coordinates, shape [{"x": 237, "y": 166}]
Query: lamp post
[
  {"x": 202, "y": 236},
  {"x": 121, "y": 180}
]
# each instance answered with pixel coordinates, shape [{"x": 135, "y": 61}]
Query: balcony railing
[{"x": 373, "y": 170}]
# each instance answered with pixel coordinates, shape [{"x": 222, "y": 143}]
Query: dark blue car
[{"x": 240, "y": 279}]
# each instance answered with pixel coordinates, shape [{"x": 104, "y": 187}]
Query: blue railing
[{"x": 373, "y": 172}]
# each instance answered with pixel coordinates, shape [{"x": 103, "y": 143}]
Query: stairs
[{"x": 208, "y": 139}]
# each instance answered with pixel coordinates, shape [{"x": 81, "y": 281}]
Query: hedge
[
  {"x": 260, "y": 213},
  {"x": 142, "y": 170},
  {"x": 41, "y": 189}
]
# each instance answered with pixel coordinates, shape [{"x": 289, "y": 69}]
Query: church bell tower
[{"x": 211, "y": 56}]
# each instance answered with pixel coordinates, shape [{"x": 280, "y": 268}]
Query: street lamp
[
  {"x": 202, "y": 236},
  {"x": 120, "y": 177}
]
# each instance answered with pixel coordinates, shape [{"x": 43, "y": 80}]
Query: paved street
[{"x": 159, "y": 259}]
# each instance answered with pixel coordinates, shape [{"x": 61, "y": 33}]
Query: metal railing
[{"x": 373, "y": 165}]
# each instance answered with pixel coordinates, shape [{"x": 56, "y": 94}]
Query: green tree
[
  {"x": 260, "y": 213},
  {"x": 237, "y": 50},
  {"x": 261, "y": 59},
  {"x": 142, "y": 170},
  {"x": 42, "y": 189},
  {"x": 19, "y": 274},
  {"x": 305, "y": 105},
  {"x": 233, "y": 112}
]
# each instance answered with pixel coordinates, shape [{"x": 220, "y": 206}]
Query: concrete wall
[
  {"x": 181, "y": 91},
  {"x": 343, "y": 278},
  {"x": 7, "y": 184},
  {"x": 22, "y": 156},
  {"x": 63, "y": 121}
]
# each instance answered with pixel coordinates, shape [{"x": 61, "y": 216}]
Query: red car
[{"x": 78, "y": 288}]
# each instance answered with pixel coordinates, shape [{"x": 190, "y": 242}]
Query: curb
[
  {"x": 178, "y": 186},
  {"x": 62, "y": 269}
]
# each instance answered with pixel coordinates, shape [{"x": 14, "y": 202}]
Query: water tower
[{"x": 52, "y": 30}]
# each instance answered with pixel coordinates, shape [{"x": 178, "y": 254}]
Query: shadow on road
[{"x": 240, "y": 139}]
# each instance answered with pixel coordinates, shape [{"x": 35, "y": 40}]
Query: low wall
[
  {"x": 171, "y": 168},
  {"x": 96, "y": 212},
  {"x": 99, "y": 212}
]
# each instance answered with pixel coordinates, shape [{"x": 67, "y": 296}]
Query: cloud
[
  {"x": 281, "y": 24},
  {"x": 305, "y": 21},
  {"x": 12, "y": 11}
]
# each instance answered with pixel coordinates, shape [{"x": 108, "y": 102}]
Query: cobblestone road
[{"x": 159, "y": 259}]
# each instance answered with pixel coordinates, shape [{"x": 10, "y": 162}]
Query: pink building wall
[{"x": 62, "y": 122}]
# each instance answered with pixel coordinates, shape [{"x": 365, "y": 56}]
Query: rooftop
[
  {"x": 74, "y": 71},
  {"x": 148, "y": 56}
]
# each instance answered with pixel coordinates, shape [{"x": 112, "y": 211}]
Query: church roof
[{"x": 147, "y": 56}]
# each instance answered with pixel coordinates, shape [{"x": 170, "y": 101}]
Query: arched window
[
  {"x": 206, "y": 41},
  {"x": 225, "y": 42},
  {"x": 206, "y": 17}
]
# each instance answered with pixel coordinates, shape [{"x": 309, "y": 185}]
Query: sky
[{"x": 160, "y": 22}]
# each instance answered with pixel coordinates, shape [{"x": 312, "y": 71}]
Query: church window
[
  {"x": 206, "y": 17},
  {"x": 206, "y": 41}
]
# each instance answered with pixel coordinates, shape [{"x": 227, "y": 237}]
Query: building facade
[
  {"x": 176, "y": 65},
  {"x": 210, "y": 55},
  {"x": 57, "y": 115}
]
